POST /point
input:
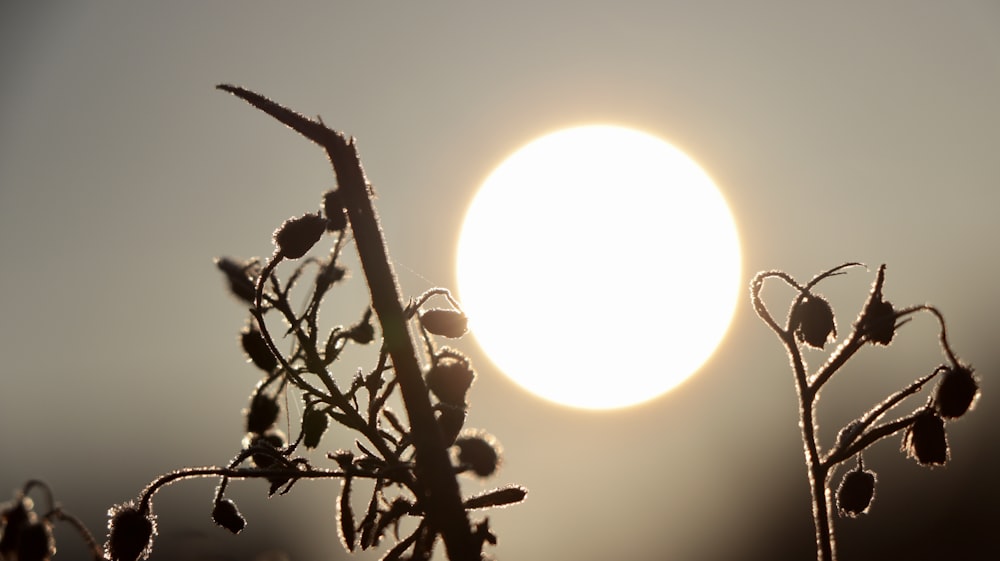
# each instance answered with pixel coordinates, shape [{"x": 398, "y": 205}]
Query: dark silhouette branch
[{"x": 440, "y": 497}]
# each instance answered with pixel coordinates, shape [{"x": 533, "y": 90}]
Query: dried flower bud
[
  {"x": 256, "y": 348},
  {"x": 35, "y": 542},
  {"x": 879, "y": 324},
  {"x": 15, "y": 518},
  {"x": 296, "y": 236},
  {"x": 956, "y": 392},
  {"x": 450, "y": 378},
  {"x": 225, "y": 514},
  {"x": 856, "y": 492},
  {"x": 314, "y": 424},
  {"x": 812, "y": 320},
  {"x": 261, "y": 414},
  {"x": 333, "y": 208},
  {"x": 130, "y": 533},
  {"x": 925, "y": 439},
  {"x": 446, "y": 323},
  {"x": 480, "y": 452},
  {"x": 240, "y": 277},
  {"x": 363, "y": 332},
  {"x": 268, "y": 446}
]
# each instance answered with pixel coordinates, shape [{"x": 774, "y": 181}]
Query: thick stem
[
  {"x": 818, "y": 472},
  {"x": 819, "y": 489},
  {"x": 441, "y": 498}
]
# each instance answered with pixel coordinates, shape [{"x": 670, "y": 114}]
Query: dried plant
[
  {"x": 811, "y": 323},
  {"x": 410, "y": 463}
]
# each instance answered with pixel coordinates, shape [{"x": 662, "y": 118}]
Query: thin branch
[{"x": 858, "y": 427}]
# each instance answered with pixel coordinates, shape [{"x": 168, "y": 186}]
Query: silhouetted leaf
[
  {"x": 502, "y": 496},
  {"x": 345, "y": 515}
]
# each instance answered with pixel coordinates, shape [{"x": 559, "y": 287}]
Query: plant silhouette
[
  {"x": 410, "y": 463},
  {"x": 811, "y": 323}
]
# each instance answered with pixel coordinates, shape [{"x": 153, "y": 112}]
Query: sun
[{"x": 599, "y": 267}]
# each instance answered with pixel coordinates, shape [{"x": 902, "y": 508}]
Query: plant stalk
[{"x": 440, "y": 499}]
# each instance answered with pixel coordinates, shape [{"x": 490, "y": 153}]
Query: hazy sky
[{"x": 846, "y": 131}]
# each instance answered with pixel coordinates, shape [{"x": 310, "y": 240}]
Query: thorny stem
[{"x": 441, "y": 499}]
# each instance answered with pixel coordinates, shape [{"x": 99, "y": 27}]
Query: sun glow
[{"x": 599, "y": 267}]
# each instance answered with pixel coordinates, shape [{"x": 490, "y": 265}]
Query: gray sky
[{"x": 850, "y": 131}]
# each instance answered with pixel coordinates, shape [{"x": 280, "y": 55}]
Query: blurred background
[{"x": 848, "y": 131}]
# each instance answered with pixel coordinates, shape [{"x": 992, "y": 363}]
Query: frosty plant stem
[
  {"x": 410, "y": 467},
  {"x": 442, "y": 498},
  {"x": 811, "y": 323}
]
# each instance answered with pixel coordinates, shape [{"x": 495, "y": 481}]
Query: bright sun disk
[{"x": 599, "y": 267}]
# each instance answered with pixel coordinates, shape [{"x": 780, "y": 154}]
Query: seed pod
[
  {"x": 268, "y": 445},
  {"x": 296, "y": 236},
  {"x": 130, "y": 533},
  {"x": 314, "y": 424},
  {"x": 35, "y": 542},
  {"x": 15, "y": 518},
  {"x": 956, "y": 392},
  {"x": 240, "y": 282},
  {"x": 262, "y": 414},
  {"x": 812, "y": 320},
  {"x": 879, "y": 323},
  {"x": 256, "y": 348},
  {"x": 856, "y": 492},
  {"x": 333, "y": 208},
  {"x": 450, "y": 378},
  {"x": 363, "y": 332},
  {"x": 925, "y": 439},
  {"x": 225, "y": 514},
  {"x": 446, "y": 323},
  {"x": 480, "y": 452}
]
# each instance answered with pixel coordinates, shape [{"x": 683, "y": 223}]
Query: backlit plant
[
  {"x": 811, "y": 323},
  {"x": 410, "y": 463}
]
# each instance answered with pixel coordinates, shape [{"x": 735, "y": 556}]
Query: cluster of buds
[{"x": 811, "y": 323}]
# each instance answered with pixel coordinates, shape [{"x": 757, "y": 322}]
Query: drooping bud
[
  {"x": 15, "y": 518},
  {"x": 296, "y": 236},
  {"x": 480, "y": 452},
  {"x": 36, "y": 542},
  {"x": 256, "y": 348},
  {"x": 446, "y": 323},
  {"x": 267, "y": 446},
  {"x": 450, "y": 377},
  {"x": 240, "y": 276},
  {"x": 879, "y": 321},
  {"x": 130, "y": 533},
  {"x": 925, "y": 439},
  {"x": 813, "y": 322},
  {"x": 314, "y": 424},
  {"x": 856, "y": 492},
  {"x": 261, "y": 414},
  {"x": 333, "y": 208},
  {"x": 225, "y": 514},
  {"x": 956, "y": 392},
  {"x": 363, "y": 332}
]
